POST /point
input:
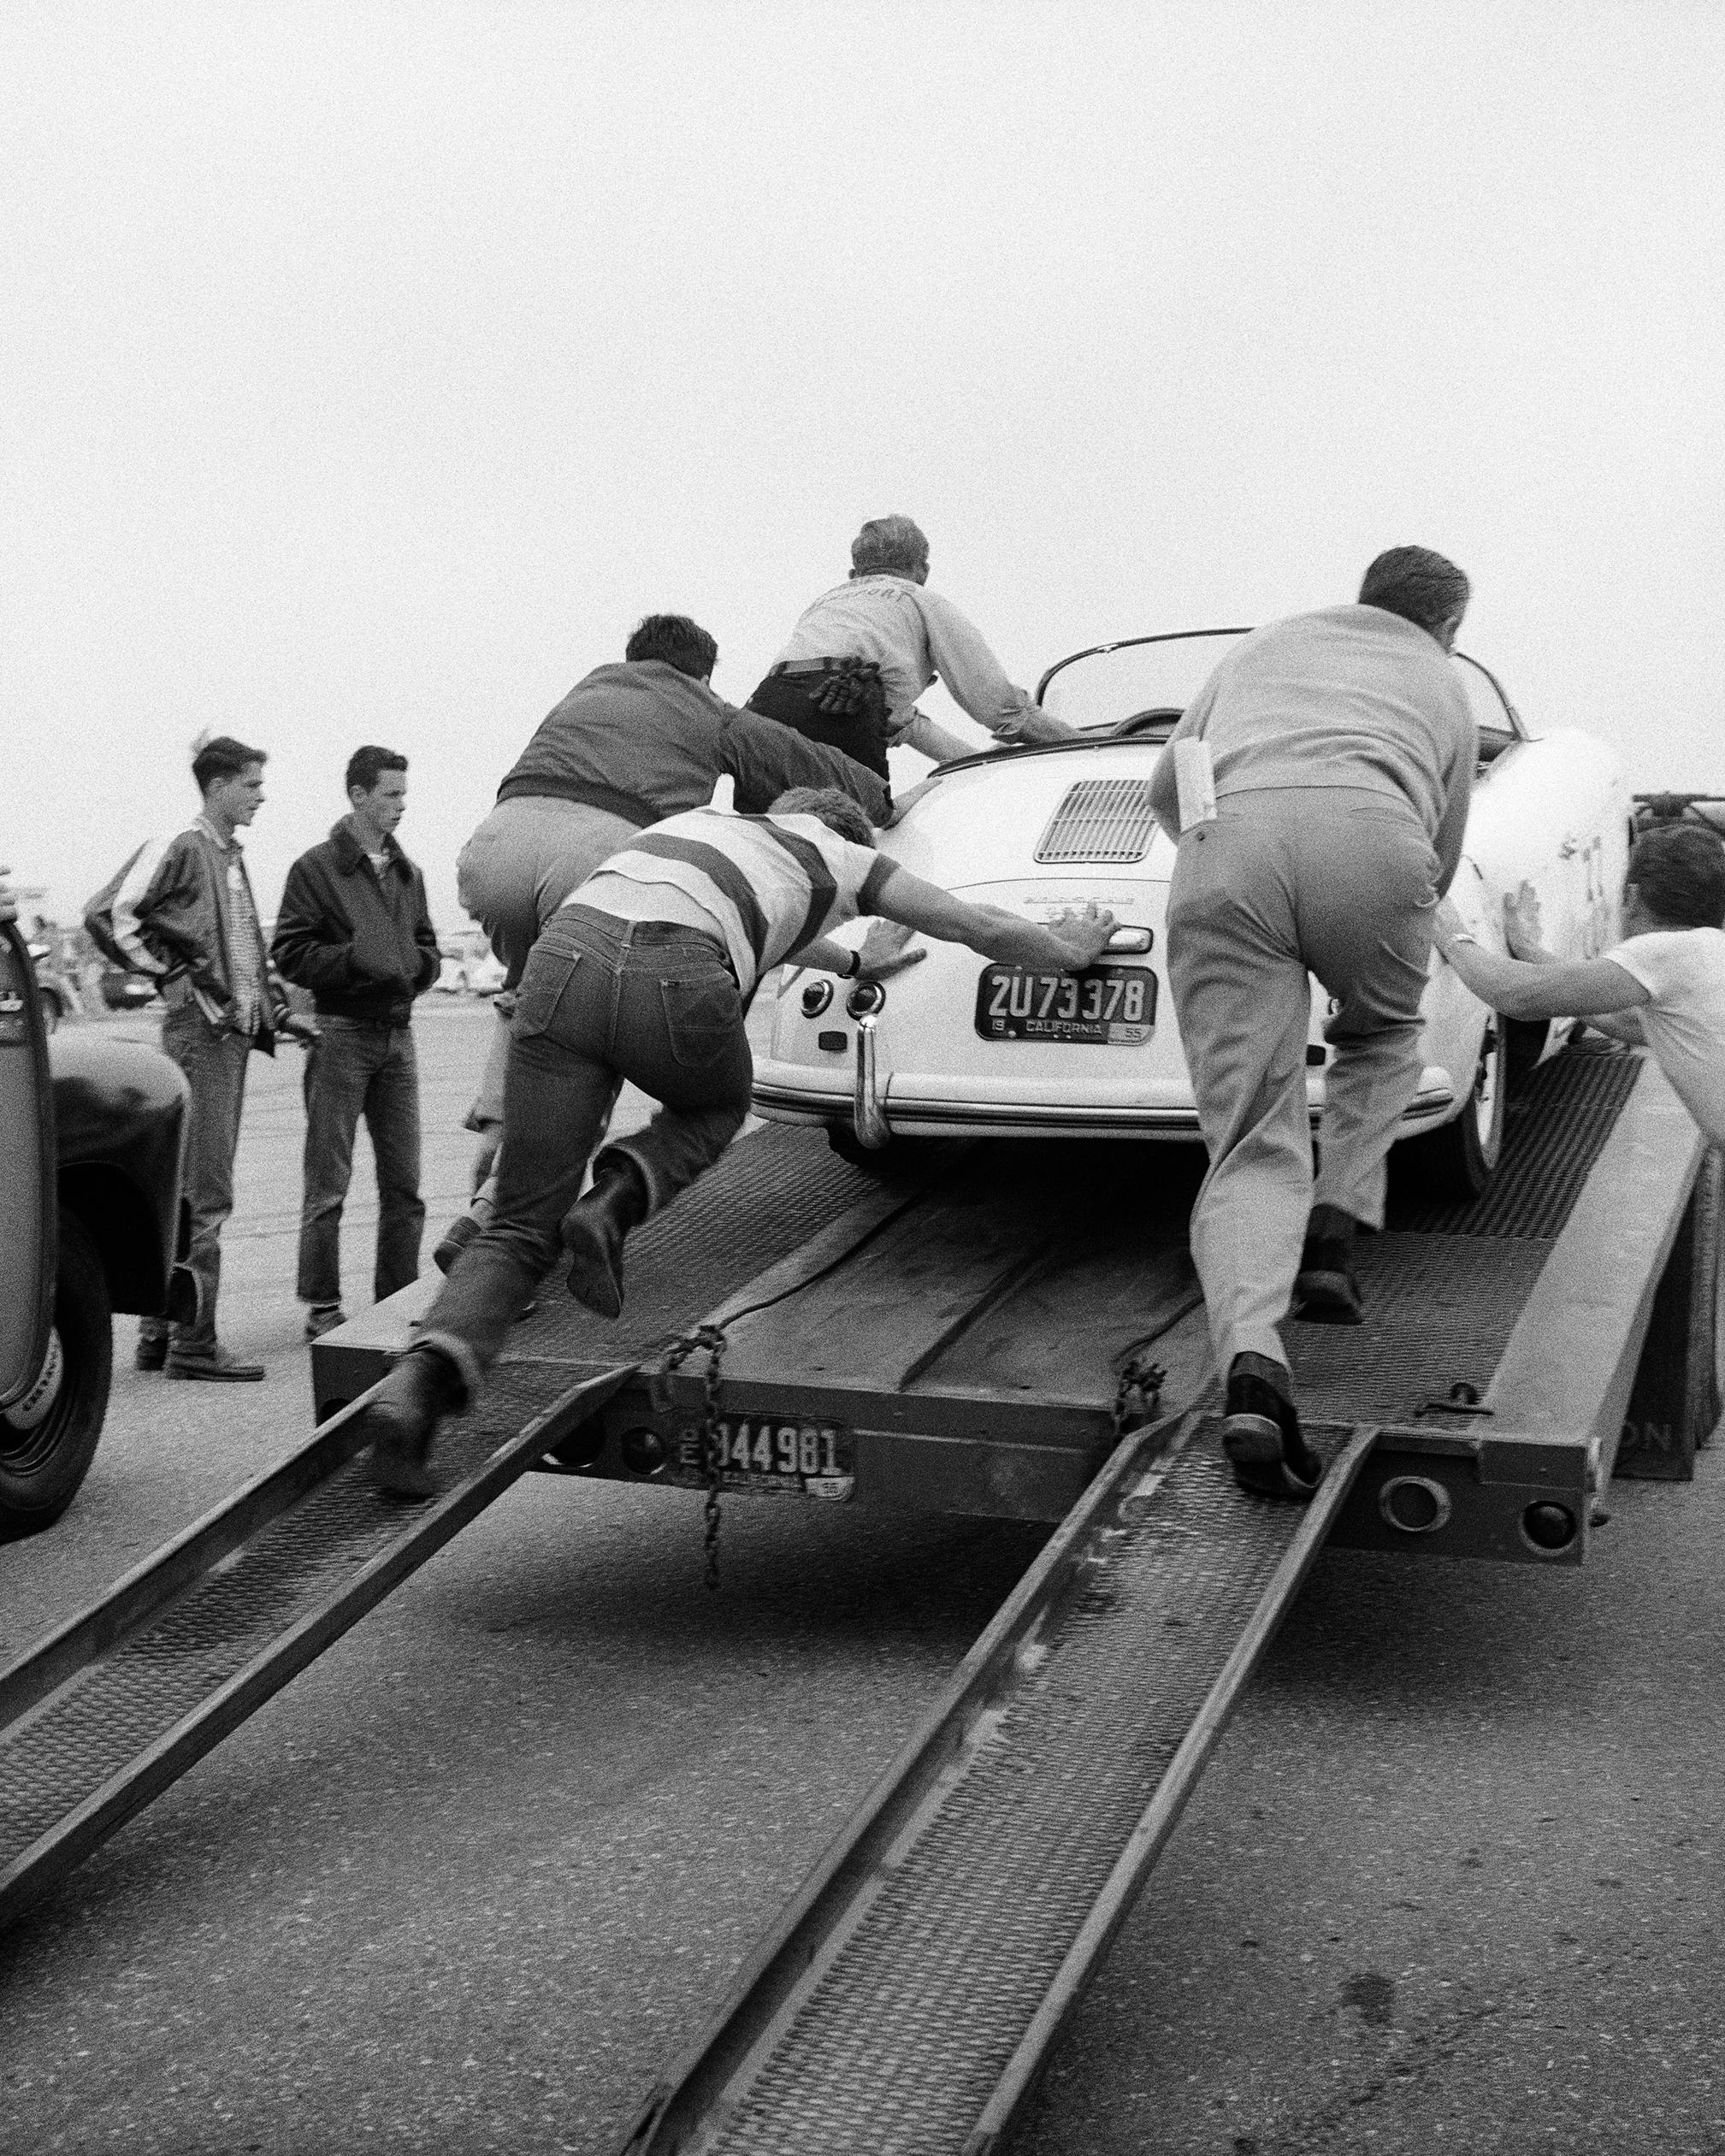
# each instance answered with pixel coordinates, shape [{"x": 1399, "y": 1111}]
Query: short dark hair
[
  {"x": 222, "y": 758},
  {"x": 368, "y": 764},
  {"x": 677, "y": 642},
  {"x": 838, "y": 812},
  {"x": 1419, "y": 586},
  {"x": 1679, "y": 874}
]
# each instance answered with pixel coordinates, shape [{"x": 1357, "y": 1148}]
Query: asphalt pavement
[{"x": 1451, "y": 1881}]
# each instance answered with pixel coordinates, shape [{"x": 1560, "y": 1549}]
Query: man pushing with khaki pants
[{"x": 1341, "y": 751}]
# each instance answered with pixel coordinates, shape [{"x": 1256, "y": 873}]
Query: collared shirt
[
  {"x": 764, "y": 885},
  {"x": 243, "y": 934},
  {"x": 914, "y": 635}
]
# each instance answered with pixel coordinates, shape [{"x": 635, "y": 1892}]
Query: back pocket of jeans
[
  {"x": 700, "y": 1018},
  {"x": 543, "y": 987}
]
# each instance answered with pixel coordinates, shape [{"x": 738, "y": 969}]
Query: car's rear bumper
[{"x": 912, "y": 1114}]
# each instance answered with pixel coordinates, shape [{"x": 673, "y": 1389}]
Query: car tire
[
  {"x": 41, "y": 1469},
  {"x": 1457, "y": 1159}
]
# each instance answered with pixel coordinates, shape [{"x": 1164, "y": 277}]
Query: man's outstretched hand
[
  {"x": 884, "y": 951},
  {"x": 1522, "y": 929}
]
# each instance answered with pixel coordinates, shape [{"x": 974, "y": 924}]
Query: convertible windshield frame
[{"x": 1516, "y": 725}]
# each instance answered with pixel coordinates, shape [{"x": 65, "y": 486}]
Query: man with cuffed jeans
[
  {"x": 1342, "y": 751},
  {"x": 600, "y": 996},
  {"x": 354, "y": 928}
]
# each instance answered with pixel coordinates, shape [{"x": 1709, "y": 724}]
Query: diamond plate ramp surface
[
  {"x": 1555, "y": 1128},
  {"x": 922, "y": 1989},
  {"x": 78, "y": 1735}
]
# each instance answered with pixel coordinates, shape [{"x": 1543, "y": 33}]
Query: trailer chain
[
  {"x": 1140, "y": 1380},
  {"x": 711, "y": 1338}
]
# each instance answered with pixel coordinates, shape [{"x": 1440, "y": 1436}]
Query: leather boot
[
  {"x": 593, "y": 1229},
  {"x": 402, "y": 1421}
]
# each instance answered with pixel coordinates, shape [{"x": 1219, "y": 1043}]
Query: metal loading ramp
[
  {"x": 908, "y": 1998},
  {"x": 106, "y": 1712}
]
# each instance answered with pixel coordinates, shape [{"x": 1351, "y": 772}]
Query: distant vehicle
[
  {"x": 91, "y": 1222},
  {"x": 470, "y": 969},
  {"x": 121, "y": 991},
  {"x": 960, "y": 1047},
  {"x": 53, "y": 991}
]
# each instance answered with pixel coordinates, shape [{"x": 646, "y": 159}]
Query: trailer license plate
[
  {"x": 763, "y": 1453},
  {"x": 1110, "y": 1006}
]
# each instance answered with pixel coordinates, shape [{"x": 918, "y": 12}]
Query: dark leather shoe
[
  {"x": 402, "y": 1422},
  {"x": 1262, "y": 1436},
  {"x": 151, "y": 1353},
  {"x": 216, "y": 1368},
  {"x": 1326, "y": 1291},
  {"x": 593, "y": 1229}
]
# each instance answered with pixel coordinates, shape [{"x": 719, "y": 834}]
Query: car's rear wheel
[
  {"x": 1458, "y": 1159},
  {"x": 44, "y": 1460}
]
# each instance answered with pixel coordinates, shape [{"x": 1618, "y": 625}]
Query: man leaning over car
[
  {"x": 1339, "y": 751},
  {"x": 631, "y": 743}
]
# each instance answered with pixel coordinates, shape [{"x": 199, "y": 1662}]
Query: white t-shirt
[{"x": 1683, "y": 970}]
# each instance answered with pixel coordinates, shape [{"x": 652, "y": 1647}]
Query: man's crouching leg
[{"x": 426, "y": 1384}]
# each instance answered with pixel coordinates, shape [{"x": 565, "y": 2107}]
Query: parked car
[
  {"x": 54, "y": 992},
  {"x": 91, "y": 1222},
  {"x": 470, "y": 969},
  {"x": 960, "y": 1046},
  {"x": 121, "y": 989}
]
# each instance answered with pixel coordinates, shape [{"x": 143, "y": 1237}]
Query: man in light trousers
[{"x": 1340, "y": 750}]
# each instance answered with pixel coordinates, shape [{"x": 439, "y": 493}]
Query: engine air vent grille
[{"x": 1101, "y": 820}]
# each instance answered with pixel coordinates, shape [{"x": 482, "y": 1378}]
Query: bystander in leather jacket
[{"x": 361, "y": 941}]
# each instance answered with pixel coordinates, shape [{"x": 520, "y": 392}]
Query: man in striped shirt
[{"x": 644, "y": 974}]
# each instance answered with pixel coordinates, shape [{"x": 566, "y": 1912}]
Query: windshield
[
  {"x": 1098, "y": 690},
  {"x": 1152, "y": 679}
]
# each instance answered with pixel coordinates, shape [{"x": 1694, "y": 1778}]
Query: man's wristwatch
[{"x": 855, "y": 973}]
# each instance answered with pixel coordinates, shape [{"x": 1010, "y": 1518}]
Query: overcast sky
[{"x": 369, "y": 370}]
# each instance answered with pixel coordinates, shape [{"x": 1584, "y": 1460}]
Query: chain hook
[{"x": 712, "y": 1339}]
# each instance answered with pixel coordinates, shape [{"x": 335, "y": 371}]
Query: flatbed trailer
[{"x": 1003, "y": 1330}]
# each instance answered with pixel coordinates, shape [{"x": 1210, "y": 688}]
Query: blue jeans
[
  {"x": 214, "y": 1068},
  {"x": 358, "y": 1068},
  {"x": 601, "y": 1000}
]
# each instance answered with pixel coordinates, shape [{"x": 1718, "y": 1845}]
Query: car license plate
[
  {"x": 1111, "y": 1006},
  {"x": 770, "y": 1454}
]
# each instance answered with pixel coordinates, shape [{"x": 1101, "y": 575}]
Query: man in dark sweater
[
  {"x": 629, "y": 745},
  {"x": 355, "y": 930}
]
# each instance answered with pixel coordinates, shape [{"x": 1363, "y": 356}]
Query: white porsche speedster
[{"x": 958, "y": 1045}]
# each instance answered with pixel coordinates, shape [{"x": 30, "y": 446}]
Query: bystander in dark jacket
[
  {"x": 188, "y": 916},
  {"x": 354, "y": 928}
]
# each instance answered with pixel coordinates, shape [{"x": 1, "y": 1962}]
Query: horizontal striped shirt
[{"x": 764, "y": 885}]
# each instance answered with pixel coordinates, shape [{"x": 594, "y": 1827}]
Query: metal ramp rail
[
  {"x": 907, "y": 1997},
  {"x": 100, "y": 1717}
]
